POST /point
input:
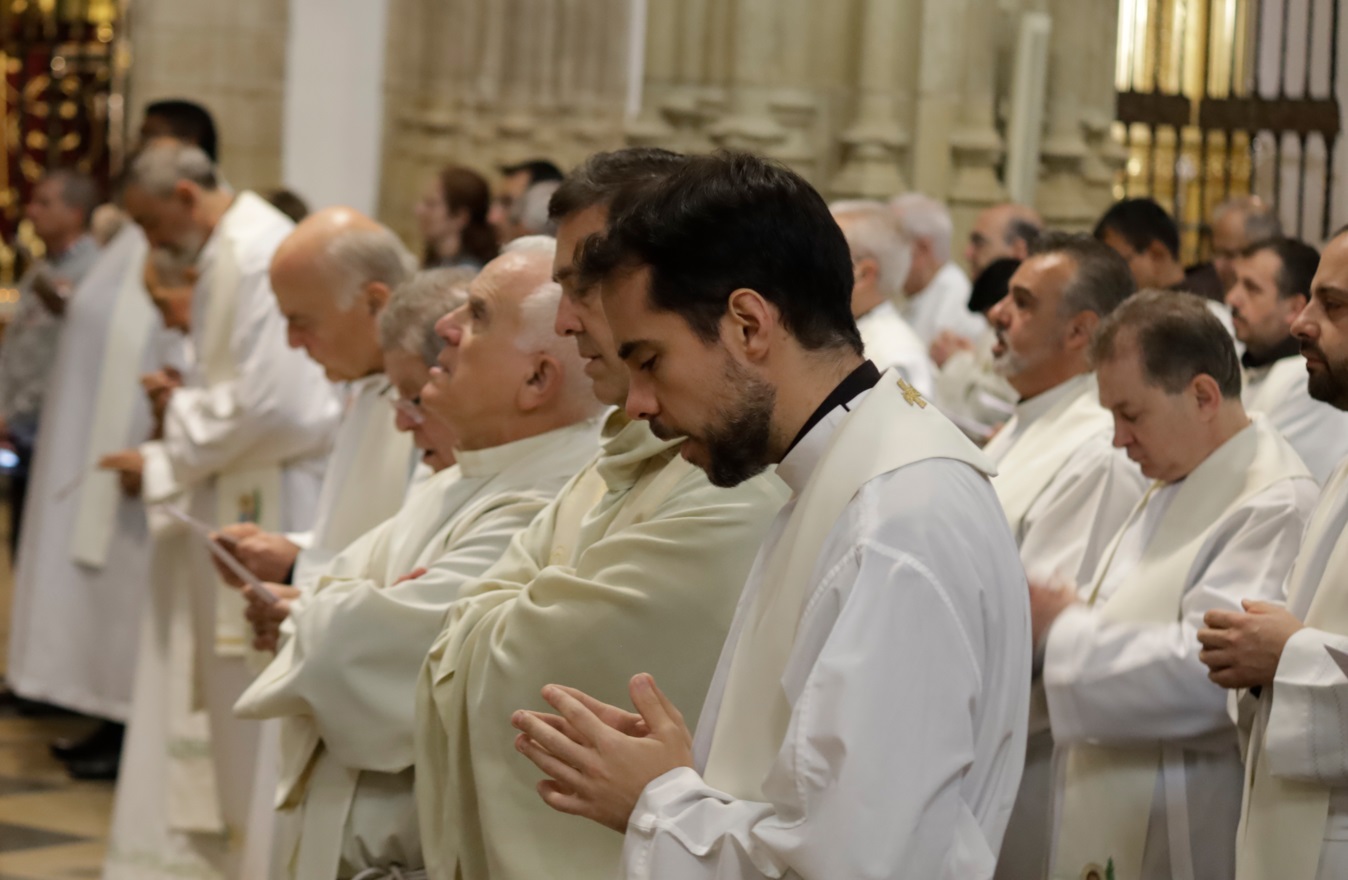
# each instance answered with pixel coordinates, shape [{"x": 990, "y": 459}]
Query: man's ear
[
  {"x": 1158, "y": 252},
  {"x": 376, "y": 295},
  {"x": 867, "y": 270},
  {"x": 1080, "y": 329},
  {"x": 752, "y": 322},
  {"x": 1207, "y": 393},
  {"x": 187, "y": 193},
  {"x": 543, "y": 384}
]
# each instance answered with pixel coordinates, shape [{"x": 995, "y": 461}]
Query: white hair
[
  {"x": 923, "y": 217},
  {"x": 543, "y": 245},
  {"x": 163, "y": 163},
  {"x": 538, "y": 318},
  {"x": 531, "y": 211},
  {"x": 872, "y": 231},
  {"x": 1260, "y": 221},
  {"x": 407, "y": 323},
  {"x": 357, "y": 257}
]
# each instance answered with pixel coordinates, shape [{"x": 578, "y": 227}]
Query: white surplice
[
  {"x": 943, "y": 305},
  {"x": 1066, "y": 492},
  {"x": 903, "y": 682},
  {"x": 1296, "y": 787},
  {"x": 1122, "y": 675},
  {"x": 346, "y": 798},
  {"x": 84, "y": 559},
  {"x": 366, "y": 479},
  {"x": 1316, "y": 430},
  {"x": 891, "y": 343},
  {"x": 245, "y": 438},
  {"x": 634, "y": 567}
]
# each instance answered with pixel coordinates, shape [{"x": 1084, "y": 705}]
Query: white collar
[{"x": 1033, "y": 409}]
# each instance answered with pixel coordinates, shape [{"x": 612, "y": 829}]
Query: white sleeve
[
  {"x": 837, "y": 811},
  {"x": 1135, "y": 682},
  {"x": 1305, "y": 738},
  {"x": 1068, "y": 527}
]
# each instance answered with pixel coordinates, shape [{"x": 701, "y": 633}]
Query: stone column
[
  {"x": 873, "y": 146},
  {"x": 749, "y": 124},
  {"x": 1106, "y": 156},
  {"x": 793, "y": 103},
  {"x": 652, "y": 127},
  {"x": 1062, "y": 194},
  {"x": 976, "y": 146}
]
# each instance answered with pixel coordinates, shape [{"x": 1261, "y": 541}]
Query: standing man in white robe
[
  {"x": 1291, "y": 690},
  {"x": 1147, "y": 765},
  {"x": 1273, "y": 283},
  {"x": 1064, "y": 487},
  {"x": 936, "y": 291},
  {"x": 514, "y": 395},
  {"x": 244, "y": 438},
  {"x": 637, "y": 563},
  {"x": 867, "y": 716},
  {"x": 881, "y": 256},
  {"x": 332, "y": 277}
]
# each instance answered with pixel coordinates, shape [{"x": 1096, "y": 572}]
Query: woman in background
[{"x": 452, "y": 219}]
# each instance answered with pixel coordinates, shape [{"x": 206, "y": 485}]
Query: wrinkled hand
[
  {"x": 266, "y": 617},
  {"x": 601, "y": 758},
  {"x": 946, "y": 345},
  {"x": 410, "y": 576},
  {"x": 159, "y": 387},
  {"x": 1046, "y": 604},
  {"x": 1242, "y": 650},
  {"x": 130, "y": 467},
  {"x": 268, "y": 555}
]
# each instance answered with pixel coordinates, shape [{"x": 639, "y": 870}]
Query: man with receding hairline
[
  {"x": 1005, "y": 231},
  {"x": 1289, "y": 689},
  {"x": 1146, "y": 755}
]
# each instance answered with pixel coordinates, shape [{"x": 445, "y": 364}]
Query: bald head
[
  {"x": 1001, "y": 232},
  {"x": 332, "y": 277},
  {"x": 1238, "y": 223},
  {"x": 504, "y": 374}
]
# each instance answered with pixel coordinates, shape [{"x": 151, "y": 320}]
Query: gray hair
[
  {"x": 531, "y": 211},
  {"x": 1261, "y": 221},
  {"x": 1177, "y": 338},
  {"x": 78, "y": 191},
  {"x": 543, "y": 245},
  {"x": 407, "y": 323},
  {"x": 163, "y": 163},
  {"x": 1101, "y": 280},
  {"x": 358, "y": 257},
  {"x": 923, "y": 217},
  {"x": 872, "y": 231}
]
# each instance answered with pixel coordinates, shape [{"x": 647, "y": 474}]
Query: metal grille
[
  {"x": 56, "y": 106},
  {"x": 1219, "y": 98}
]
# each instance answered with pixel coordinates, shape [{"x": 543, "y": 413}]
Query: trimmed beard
[
  {"x": 739, "y": 438},
  {"x": 1331, "y": 385}
]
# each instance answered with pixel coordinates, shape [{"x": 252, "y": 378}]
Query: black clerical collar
[
  {"x": 1288, "y": 348},
  {"x": 863, "y": 378}
]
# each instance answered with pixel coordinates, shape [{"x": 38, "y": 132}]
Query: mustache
[
  {"x": 663, "y": 431},
  {"x": 1310, "y": 348}
]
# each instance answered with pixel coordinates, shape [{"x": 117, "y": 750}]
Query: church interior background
[{"x": 1065, "y": 104}]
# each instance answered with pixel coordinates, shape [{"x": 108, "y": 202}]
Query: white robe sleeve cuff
[
  {"x": 1065, "y": 651},
  {"x": 1304, "y": 739},
  {"x": 158, "y": 483}
]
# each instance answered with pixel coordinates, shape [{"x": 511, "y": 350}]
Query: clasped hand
[
  {"x": 1242, "y": 650},
  {"x": 601, "y": 758}
]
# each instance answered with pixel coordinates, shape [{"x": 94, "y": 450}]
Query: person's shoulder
[{"x": 927, "y": 497}]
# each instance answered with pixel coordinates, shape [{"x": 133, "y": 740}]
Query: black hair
[
  {"x": 1140, "y": 222},
  {"x": 734, "y": 220},
  {"x": 600, "y": 177},
  {"x": 540, "y": 170},
  {"x": 189, "y": 121},
  {"x": 1298, "y": 263}
]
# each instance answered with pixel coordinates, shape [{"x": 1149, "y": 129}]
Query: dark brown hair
[
  {"x": 1177, "y": 337},
  {"x": 465, "y": 190}
]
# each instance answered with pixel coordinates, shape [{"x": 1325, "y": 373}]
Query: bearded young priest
[{"x": 867, "y": 716}]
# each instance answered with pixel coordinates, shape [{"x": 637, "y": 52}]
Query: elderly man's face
[
  {"x": 487, "y": 362},
  {"x": 1322, "y": 327},
  {"x": 53, "y": 220},
  {"x": 169, "y": 222},
  {"x": 342, "y": 337},
  {"x": 987, "y": 241},
  {"x": 1158, "y": 430},
  {"x": 1262, "y": 318},
  {"x": 580, "y": 314},
  {"x": 408, "y": 374},
  {"x": 1031, "y": 327}
]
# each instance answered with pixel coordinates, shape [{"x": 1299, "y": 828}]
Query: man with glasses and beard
[
  {"x": 1291, "y": 692},
  {"x": 867, "y": 716}
]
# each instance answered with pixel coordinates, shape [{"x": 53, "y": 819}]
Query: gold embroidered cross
[{"x": 911, "y": 395}]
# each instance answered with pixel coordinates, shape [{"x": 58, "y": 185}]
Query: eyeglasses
[{"x": 409, "y": 409}]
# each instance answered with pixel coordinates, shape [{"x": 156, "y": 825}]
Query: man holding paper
[
  {"x": 515, "y": 396},
  {"x": 332, "y": 277},
  {"x": 244, "y": 439},
  {"x": 1284, "y": 663}
]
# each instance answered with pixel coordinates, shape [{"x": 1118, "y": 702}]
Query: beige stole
[
  {"x": 892, "y": 427},
  {"x": 1283, "y": 821},
  {"x": 1039, "y": 454},
  {"x": 119, "y": 387},
  {"x": 1107, "y": 795}
]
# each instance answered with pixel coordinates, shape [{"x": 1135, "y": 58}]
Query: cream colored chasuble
[
  {"x": 635, "y": 567},
  {"x": 1283, "y": 821},
  {"x": 1105, "y": 806},
  {"x": 755, "y": 711}
]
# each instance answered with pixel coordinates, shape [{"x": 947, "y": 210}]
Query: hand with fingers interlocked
[{"x": 600, "y": 758}]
